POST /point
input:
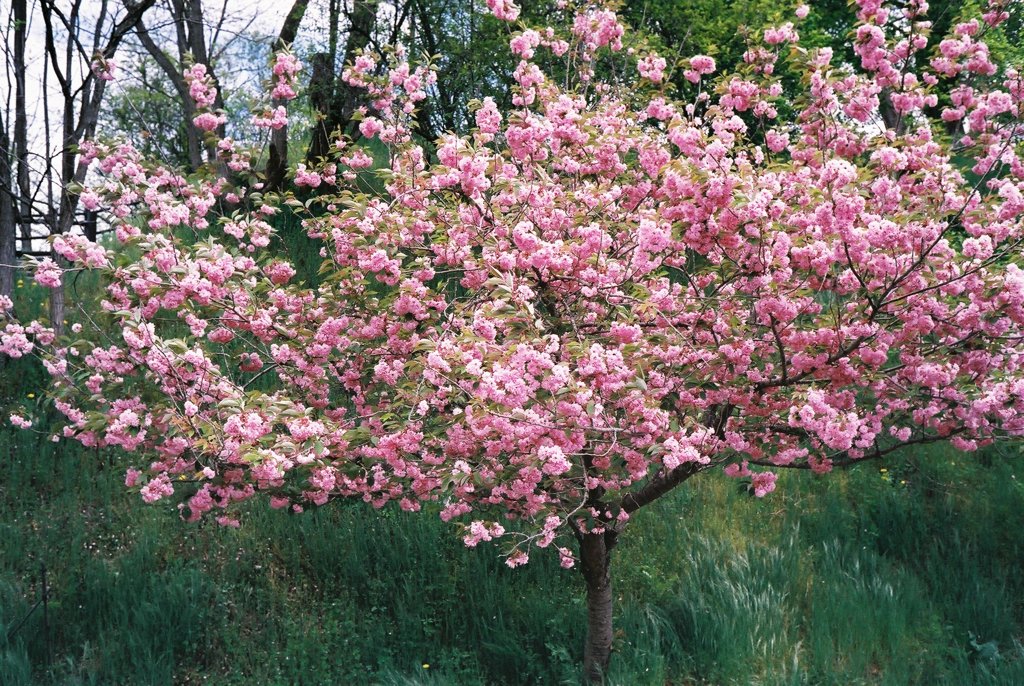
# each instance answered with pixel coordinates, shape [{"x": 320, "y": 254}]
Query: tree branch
[
  {"x": 843, "y": 459},
  {"x": 290, "y": 28},
  {"x": 659, "y": 486}
]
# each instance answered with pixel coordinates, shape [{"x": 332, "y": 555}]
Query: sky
[{"x": 43, "y": 97}]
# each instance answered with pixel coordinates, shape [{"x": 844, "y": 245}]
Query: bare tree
[
  {"x": 190, "y": 40},
  {"x": 8, "y": 223},
  {"x": 43, "y": 195}
]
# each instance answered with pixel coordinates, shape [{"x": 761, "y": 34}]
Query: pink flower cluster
[
  {"x": 103, "y": 68},
  {"x": 275, "y": 118},
  {"x": 48, "y": 273},
  {"x": 285, "y": 70},
  {"x": 200, "y": 86},
  {"x": 208, "y": 121},
  {"x": 700, "y": 65},
  {"x": 652, "y": 68},
  {"x": 505, "y": 10}
]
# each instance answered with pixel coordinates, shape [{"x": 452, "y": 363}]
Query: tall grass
[{"x": 908, "y": 576}]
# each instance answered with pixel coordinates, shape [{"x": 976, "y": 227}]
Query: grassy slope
[{"x": 860, "y": 578}]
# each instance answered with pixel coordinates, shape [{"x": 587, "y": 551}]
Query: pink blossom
[
  {"x": 201, "y": 87},
  {"x": 702, "y": 64},
  {"x": 274, "y": 119},
  {"x": 488, "y": 119},
  {"x": 523, "y": 44},
  {"x": 780, "y": 34},
  {"x": 208, "y": 121},
  {"x": 763, "y": 483},
  {"x": 20, "y": 422},
  {"x": 48, "y": 273},
  {"x": 158, "y": 487},
  {"x": 132, "y": 477},
  {"x": 652, "y": 68},
  {"x": 506, "y": 10},
  {"x": 280, "y": 272},
  {"x": 104, "y": 68},
  {"x": 517, "y": 558}
]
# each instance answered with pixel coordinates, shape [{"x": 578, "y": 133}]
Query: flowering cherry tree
[{"x": 586, "y": 301}]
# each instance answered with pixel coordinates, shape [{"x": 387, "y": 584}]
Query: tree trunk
[
  {"x": 277, "y": 160},
  {"x": 195, "y": 30},
  {"x": 24, "y": 208},
  {"x": 195, "y": 148},
  {"x": 595, "y": 555},
  {"x": 81, "y": 126},
  {"x": 321, "y": 93},
  {"x": 8, "y": 222},
  {"x": 341, "y": 99}
]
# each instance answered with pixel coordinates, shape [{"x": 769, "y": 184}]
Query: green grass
[{"x": 862, "y": 578}]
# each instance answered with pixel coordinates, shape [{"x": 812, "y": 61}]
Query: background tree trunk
[
  {"x": 335, "y": 100},
  {"x": 321, "y": 94},
  {"x": 24, "y": 209},
  {"x": 194, "y": 141},
  {"x": 8, "y": 223},
  {"x": 190, "y": 40},
  {"x": 595, "y": 556},
  {"x": 277, "y": 161}
]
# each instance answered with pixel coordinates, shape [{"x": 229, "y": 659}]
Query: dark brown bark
[
  {"x": 595, "y": 552},
  {"x": 277, "y": 158},
  {"x": 595, "y": 558},
  {"x": 8, "y": 223},
  {"x": 343, "y": 99},
  {"x": 23, "y": 211},
  {"x": 659, "y": 486}
]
